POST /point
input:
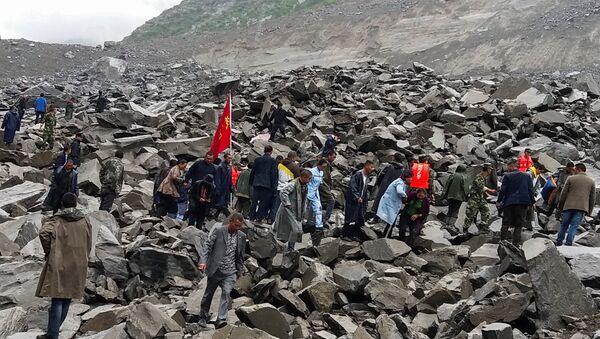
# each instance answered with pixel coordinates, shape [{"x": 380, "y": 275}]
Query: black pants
[
  {"x": 352, "y": 229},
  {"x": 243, "y": 205},
  {"x": 39, "y": 116},
  {"x": 274, "y": 129},
  {"x": 514, "y": 216},
  {"x": 453, "y": 209},
  {"x": 107, "y": 197},
  {"x": 220, "y": 210},
  {"x": 169, "y": 204},
  {"x": 408, "y": 225},
  {"x": 197, "y": 214},
  {"x": 261, "y": 203}
]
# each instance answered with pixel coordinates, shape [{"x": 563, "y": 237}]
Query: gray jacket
[{"x": 215, "y": 247}]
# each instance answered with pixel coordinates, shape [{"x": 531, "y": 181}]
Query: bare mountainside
[{"x": 455, "y": 37}]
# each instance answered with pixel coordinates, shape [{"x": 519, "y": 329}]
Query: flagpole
[{"x": 231, "y": 142}]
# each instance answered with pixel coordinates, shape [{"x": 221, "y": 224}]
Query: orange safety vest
[
  {"x": 420, "y": 177},
  {"x": 235, "y": 174},
  {"x": 525, "y": 163}
]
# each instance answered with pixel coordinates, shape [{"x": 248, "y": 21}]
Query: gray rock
[
  {"x": 587, "y": 269},
  {"x": 473, "y": 97},
  {"x": 12, "y": 320},
  {"x": 320, "y": 295},
  {"x": 385, "y": 249},
  {"x": 340, "y": 324},
  {"x": 148, "y": 321},
  {"x": 515, "y": 109},
  {"x": 387, "y": 293},
  {"x": 109, "y": 68},
  {"x": 533, "y": 98},
  {"x": 352, "y": 277},
  {"x": 265, "y": 317},
  {"x": 157, "y": 264},
  {"x": 117, "y": 332},
  {"x": 510, "y": 88},
  {"x": 550, "y": 117},
  {"x": 293, "y": 302},
  {"x": 452, "y": 116},
  {"x": 497, "y": 331},
  {"x": 89, "y": 177},
  {"x": 25, "y": 194},
  {"x": 552, "y": 280}
]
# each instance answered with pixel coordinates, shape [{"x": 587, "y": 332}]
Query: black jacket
[
  {"x": 279, "y": 117},
  {"x": 60, "y": 161},
  {"x": 356, "y": 189},
  {"x": 76, "y": 152},
  {"x": 264, "y": 173},
  {"x": 199, "y": 170},
  {"x": 385, "y": 178}
]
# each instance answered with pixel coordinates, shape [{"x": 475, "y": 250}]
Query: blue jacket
[
  {"x": 264, "y": 173},
  {"x": 314, "y": 183},
  {"x": 223, "y": 185},
  {"x": 40, "y": 104},
  {"x": 517, "y": 189},
  {"x": 11, "y": 125},
  {"x": 391, "y": 202}
]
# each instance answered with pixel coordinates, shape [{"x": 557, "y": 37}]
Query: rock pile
[{"x": 143, "y": 281}]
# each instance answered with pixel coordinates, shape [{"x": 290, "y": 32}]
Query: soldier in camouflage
[
  {"x": 111, "y": 178},
  {"x": 49, "y": 124},
  {"x": 477, "y": 204}
]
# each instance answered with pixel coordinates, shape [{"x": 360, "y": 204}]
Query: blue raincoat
[{"x": 391, "y": 202}]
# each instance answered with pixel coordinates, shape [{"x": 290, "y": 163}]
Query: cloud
[{"x": 76, "y": 21}]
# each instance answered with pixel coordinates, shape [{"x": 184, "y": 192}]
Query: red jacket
[
  {"x": 235, "y": 174},
  {"x": 525, "y": 162},
  {"x": 420, "y": 177}
]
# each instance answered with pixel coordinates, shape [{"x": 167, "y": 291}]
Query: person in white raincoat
[
  {"x": 392, "y": 201},
  {"x": 291, "y": 212}
]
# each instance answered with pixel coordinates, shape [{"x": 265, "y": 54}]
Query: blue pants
[
  {"x": 261, "y": 203},
  {"x": 316, "y": 211},
  {"x": 571, "y": 219},
  {"x": 59, "y": 308}
]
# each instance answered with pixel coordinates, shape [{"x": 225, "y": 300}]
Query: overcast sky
[{"x": 76, "y": 21}]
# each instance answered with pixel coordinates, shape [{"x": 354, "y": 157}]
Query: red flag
[{"x": 222, "y": 139}]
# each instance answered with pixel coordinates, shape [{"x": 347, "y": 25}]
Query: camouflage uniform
[
  {"x": 111, "y": 178},
  {"x": 477, "y": 203},
  {"x": 49, "y": 124}
]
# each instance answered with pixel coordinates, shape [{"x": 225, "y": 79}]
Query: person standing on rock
[
  {"x": 477, "y": 203},
  {"x": 392, "y": 201},
  {"x": 455, "y": 193},
  {"x": 222, "y": 260},
  {"x": 64, "y": 181},
  {"x": 314, "y": 199},
  {"x": 326, "y": 187},
  {"x": 284, "y": 176},
  {"x": 157, "y": 208},
  {"x": 201, "y": 169},
  {"x": 423, "y": 176},
  {"x": 11, "y": 124},
  {"x": 515, "y": 197},
  {"x": 278, "y": 121},
  {"x": 577, "y": 200},
  {"x": 41, "y": 106},
  {"x": 329, "y": 146},
  {"x": 111, "y": 178},
  {"x": 243, "y": 190},
  {"x": 22, "y": 106},
  {"x": 263, "y": 179},
  {"x": 562, "y": 176},
  {"x": 62, "y": 157},
  {"x": 70, "y": 109},
  {"x": 525, "y": 161},
  {"x": 168, "y": 189},
  {"x": 223, "y": 186},
  {"x": 200, "y": 200},
  {"x": 388, "y": 174},
  {"x": 49, "y": 125},
  {"x": 101, "y": 103},
  {"x": 76, "y": 149},
  {"x": 291, "y": 212},
  {"x": 293, "y": 165},
  {"x": 357, "y": 196},
  {"x": 414, "y": 215},
  {"x": 67, "y": 240}
]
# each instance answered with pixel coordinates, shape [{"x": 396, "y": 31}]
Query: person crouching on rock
[
  {"x": 67, "y": 240},
  {"x": 222, "y": 260},
  {"x": 414, "y": 215}
]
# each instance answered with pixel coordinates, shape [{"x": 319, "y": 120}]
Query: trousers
[
  {"x": 261, "y": 203},
  {"x": 226, "y": 282},
  {"x": 571, "y": 219},
  {"x": 107, "y": 197},
  {"x": 59, "y": 308}
]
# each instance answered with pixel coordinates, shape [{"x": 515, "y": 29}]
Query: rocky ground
[{"x": 143, "y": 281}]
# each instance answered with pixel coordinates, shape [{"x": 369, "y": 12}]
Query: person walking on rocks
[
  {"x": 577, "y": 200},
  {"x": 284, "y": 176},
  {"x": 477, "y": 203},
  {"x": 515, "y": 197},
  {"x": 562, "y": 176},
  {"x": 329, "y": 146},
  {"x": 111, "y": 178},
  {"x": 101, "y": 103},
  {"x": 201, "y": 169},
  {"x": 455, "y": 193},
  {"x": 157, "y": 208},
  {"x": 222, "y": 260},
  {"x": 66, "y": 239},
  {"x": 278, "y": 121},
  {"x": 168, "y": 189},
  {"x": 11, "y": 124},
  {"x": 423, "y": 175},
  {"x": 291, "y": 212},
  {"x": 62, "y": 157},
  {"x": 357, "y": 196},
  {"x": 326, "y": 187},
  {"x": 63, "y": 182},
  {"x": 22, "y": 106},
  {"x": 41, "y": 106},
  {"x": 392, "y": 201},
  {"x": 70, "y": 109},
  {"x": 414, "y": 215},
  {"x": 525, "y": 161},
  {"x": 223, "y": 186},
  {"x": 49, "y": 125},
  {"x": 200, "y": 199},
  {"x": 388, "y": 174},
  {"x": 243, "y": 190},
  {"x": 76, "y": 149},
  {"x": 293, "y": 165},
  {"x": 263, "y": 179},
  {"x": 314, "y": 200}
]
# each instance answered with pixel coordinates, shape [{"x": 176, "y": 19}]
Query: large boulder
[
  {"x": 385, "y": 249},
  {"x": 557, "y": 289},
  {"x": 265, "y": 317},
  {"x": 89, "y": 177},
  {"x": 109, "y": 68},
  {"x": 25, "y": 194},
  {"x": 587, "y": 269},
  {"x": 12, "y": 320},
  {"x": 351, "y": 276},
  {"x": 387, "y": 293},
  {"x": 147, "y": 321},
  {"x": 157, "y": 264}
]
